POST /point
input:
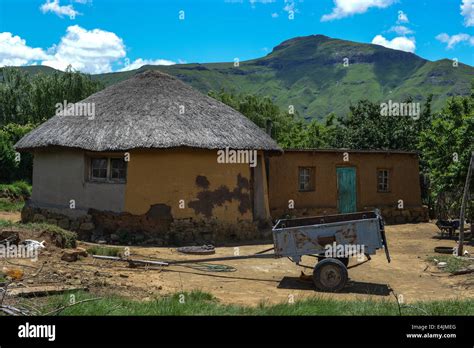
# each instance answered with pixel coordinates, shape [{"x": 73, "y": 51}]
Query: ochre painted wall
[
  {"x": 283, "y": 180},
  {"x": 167, "y": 176}
]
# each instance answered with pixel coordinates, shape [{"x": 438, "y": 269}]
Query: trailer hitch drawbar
[{"x": 260, "y": 255}]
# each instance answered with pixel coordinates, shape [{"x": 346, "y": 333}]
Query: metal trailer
[{"x": 332, "y": 239}]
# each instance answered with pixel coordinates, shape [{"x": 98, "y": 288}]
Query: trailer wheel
[{"x": 330, "y": 275}]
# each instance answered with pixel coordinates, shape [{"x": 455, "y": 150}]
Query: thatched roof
[{"x": 144, "y": 112}]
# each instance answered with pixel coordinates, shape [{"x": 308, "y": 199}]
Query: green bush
[
  {"x": 8, "y": 205},
  {"x": 13, "y": 167},
  {"x": 19, "y": 190}
]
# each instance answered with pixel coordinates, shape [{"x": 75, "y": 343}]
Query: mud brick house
[
  {"x": 315, "y": 182},
  {"x": 144, "y": 166}
]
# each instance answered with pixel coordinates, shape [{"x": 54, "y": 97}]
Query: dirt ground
[
  {"x": 268, "y": 280},
  {"x": 276, "y": 280},
  {"x": 11, "y": 216}
]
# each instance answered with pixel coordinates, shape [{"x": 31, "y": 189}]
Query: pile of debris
[{"x": 23, "y": 275}]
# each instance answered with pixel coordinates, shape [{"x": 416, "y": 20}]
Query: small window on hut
[
  {"x": 306, "y": 179},
  {"x": 107, "y": 169},
  {"x": 383, "y": 180},
  {"x": 118, "y": 169},
  {"x": 99, "y": 168}
]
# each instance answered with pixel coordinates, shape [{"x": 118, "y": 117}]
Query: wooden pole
[{"x": 463, "y": 205}]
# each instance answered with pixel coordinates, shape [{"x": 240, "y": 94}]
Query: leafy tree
[
  {"x": 28, "y": 98},
  {"x": 366, "y": 128},
  {"x": 13, "y": 168},
  {"x": 289, "y": 130},
  {"x": 446, "y": 147},
  {"x": 26, "y": 101}
]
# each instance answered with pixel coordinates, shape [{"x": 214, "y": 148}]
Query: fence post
[{"x": 463, "y": 205}]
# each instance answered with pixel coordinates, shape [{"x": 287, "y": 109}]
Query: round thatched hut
[{"x": 150, "y": 157}]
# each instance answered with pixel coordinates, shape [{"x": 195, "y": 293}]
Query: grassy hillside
[{"x": 308, "y": 72}]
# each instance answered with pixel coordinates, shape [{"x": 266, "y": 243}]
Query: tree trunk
[{"x": 463, "y": 205}]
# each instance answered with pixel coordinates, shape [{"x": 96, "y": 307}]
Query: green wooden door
[{"x": 346, "y": 189}]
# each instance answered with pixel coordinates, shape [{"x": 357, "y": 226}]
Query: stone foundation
[
  {"x": 391, "y": 215},
  {"x": 156, "y": 227},
  {"x": 395, "y": 216}
]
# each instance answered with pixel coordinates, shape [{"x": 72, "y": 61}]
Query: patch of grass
[
  {"x": 17, "y": 190},
  {"x": 6, "y": 223},
  {"x": 453, "y": 263},
  {"x": 62, "y": 238},
  {"x": 201, "y": 303},
  {"x": 10, "y": 206},
  {"x": 13, "y": 196},
  {"x": 104, "y": 250}
]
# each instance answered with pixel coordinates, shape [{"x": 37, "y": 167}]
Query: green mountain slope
[{"x": 308, "y": 73}]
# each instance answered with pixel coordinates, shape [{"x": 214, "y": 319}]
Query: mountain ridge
[{"x": 309, "y": 73}]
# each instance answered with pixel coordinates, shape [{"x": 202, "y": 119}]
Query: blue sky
[{"x": 109, "y": 35}]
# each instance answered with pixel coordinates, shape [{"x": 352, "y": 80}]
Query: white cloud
[
  {"x": 252, "y": 2},
  {"x": 290, "y": 6},
  {"x": 90, "y": 51},
  {"x": 453, "y": 40},
  {"x": 61, "y": 10},
  {"x": 15, "y": 52},
  {"x": 401, "y": 30},
  {"x": 467, "y": 11},
  {"x": 346, "y": 8},
  {"x": 275, "y": 15},
  {"x": 401, "y": 43},
  {"x": 138, "y": 63},
  {"x": 402, "y": 17}
]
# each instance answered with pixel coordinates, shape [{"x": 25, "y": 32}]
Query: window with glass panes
[
  {"x": 306, "y": 179},
  {"x": 99, "y": 168},
  {"x": 383, "y": 180},
  {"x": 108, "y": 169},
  {"x": 118, "y": 169}
]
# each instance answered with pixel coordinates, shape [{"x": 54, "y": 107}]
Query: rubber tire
[
  {"x": 444, "y": 250},
  {"x": 333, "y": 263},
  {"x": 344, "y": 260}
]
